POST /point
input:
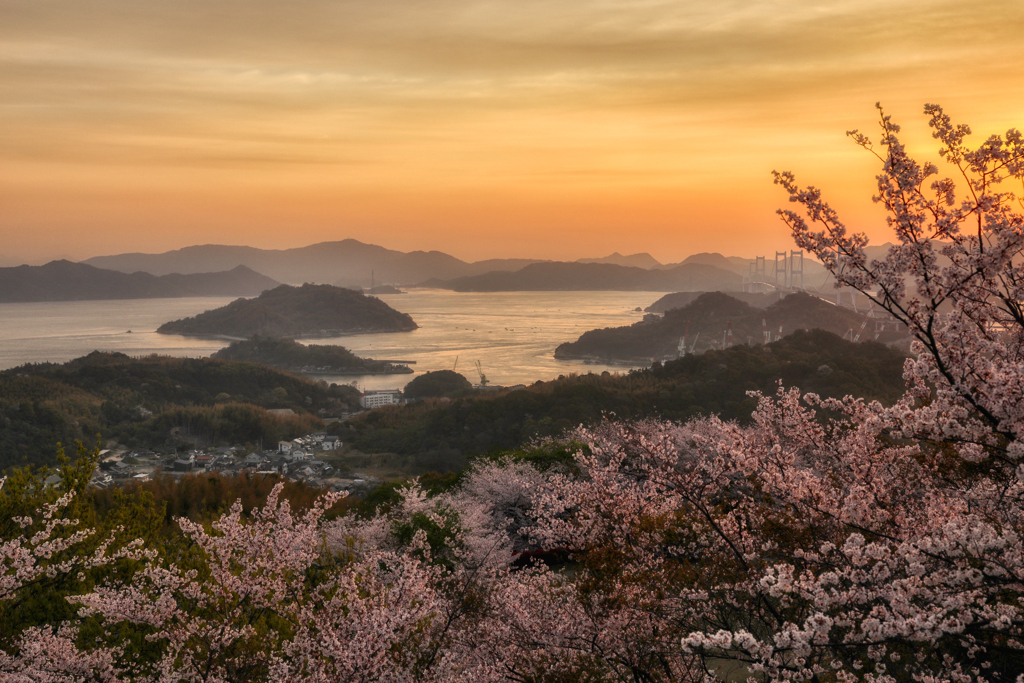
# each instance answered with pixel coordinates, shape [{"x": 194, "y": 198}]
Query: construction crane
[
  {"x": 861, "y": 330},
  {"x": 483, "y": 377},
  {"x": 682, "y": 342},
  {"x": 456, "y": 363}
]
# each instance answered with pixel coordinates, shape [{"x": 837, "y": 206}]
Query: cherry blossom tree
[
  {"x": 53, "y": 546},
  {"x": 831, "y": 539},
  {"x": 224, "y": 609},
  {"x": 884, "y": 542}
]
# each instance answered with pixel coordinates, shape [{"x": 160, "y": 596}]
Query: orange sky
[{"x": 532, "y": 128}]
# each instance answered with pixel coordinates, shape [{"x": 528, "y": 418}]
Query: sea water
[{"x": 513, "y": 335}]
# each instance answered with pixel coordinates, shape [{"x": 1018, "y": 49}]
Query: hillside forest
[
  {"x": 288, "y": 354},
  {"x": 169, "y": 404}
]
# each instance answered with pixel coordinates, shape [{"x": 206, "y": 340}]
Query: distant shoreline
[
  {"x": 349, "y": 373},
  {"x": 328, "y": 334}
]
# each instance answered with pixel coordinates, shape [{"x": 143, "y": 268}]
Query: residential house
[{"x": 185, "y": 463}]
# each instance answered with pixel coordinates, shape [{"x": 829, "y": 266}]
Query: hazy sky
[{"x": 553, "y": 128}]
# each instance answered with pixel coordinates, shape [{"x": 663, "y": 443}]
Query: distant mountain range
[
  {"x": 286, "y": 311},
  {"x": 355, "y": 264},
  {"x": 351, "y": 263},
  {"x": 67, "y": 281},
  {"x": 348, "y": 263},
  {"x": 643, "y": 260},
  {"x": 560, "y": 276},
  {"x": 740, "y": 266}
]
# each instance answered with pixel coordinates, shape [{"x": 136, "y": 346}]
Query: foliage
[
  {"x": 141, "y": 400},
  {"x": 288, "y": 354},
  {"x": 202, "y": 498},
  {"x": 439, "y": 437},
  {"x": 437, "y": 383},
  {"x": 54, "y": 543},
  {"x": 231, "y": 423}
]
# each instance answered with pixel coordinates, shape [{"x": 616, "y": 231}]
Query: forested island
[
  {"x": 288, "y": 354},
  {"x": 286, "y": 311},
  {"x": 706, "y": 323}
]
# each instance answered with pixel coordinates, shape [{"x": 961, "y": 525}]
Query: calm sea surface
[{"x": 512, "y": 334}]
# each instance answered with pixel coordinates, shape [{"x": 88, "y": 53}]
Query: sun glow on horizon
[{"x": 544, "y": 130}]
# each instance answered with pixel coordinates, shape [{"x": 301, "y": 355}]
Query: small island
[
  {"x": 288, "y": 354},
  {"x": 384, "y": 289},
  {"x": 290, "y": 312}
]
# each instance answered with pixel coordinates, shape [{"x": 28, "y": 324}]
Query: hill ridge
[{"x": 64, "y": 280}]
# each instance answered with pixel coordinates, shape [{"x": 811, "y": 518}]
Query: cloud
[{"x": 428, "y": 95}]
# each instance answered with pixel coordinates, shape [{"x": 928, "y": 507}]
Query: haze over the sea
[{"x": 554, "y": 129}]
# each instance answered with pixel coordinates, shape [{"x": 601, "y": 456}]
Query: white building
[{"x": 382, "y": 397}]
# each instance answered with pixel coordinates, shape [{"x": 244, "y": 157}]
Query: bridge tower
[
  {"x": 780, "y": 270},
  {"x": 796, "y": 269}
]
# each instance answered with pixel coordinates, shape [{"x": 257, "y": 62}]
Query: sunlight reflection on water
[{"x": 512, "y": 334}]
